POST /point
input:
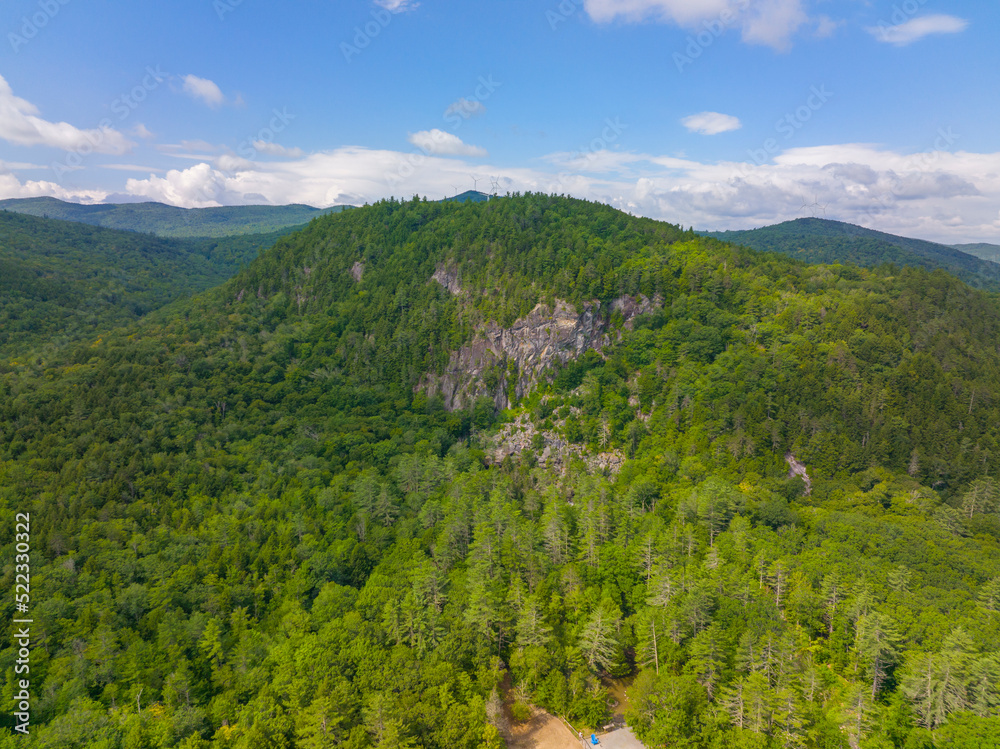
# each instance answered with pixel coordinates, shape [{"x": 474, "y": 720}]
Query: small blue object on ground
[{"x": 593, "y": 739}]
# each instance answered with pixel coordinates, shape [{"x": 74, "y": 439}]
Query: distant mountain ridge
[
  {"x": 170, "y": 221},
  {"x": 816, "y": 240},
  {"x": 63, "y": 280},
  {"x": 982, "y": 250},
  {"x": 469, "y": 195}
]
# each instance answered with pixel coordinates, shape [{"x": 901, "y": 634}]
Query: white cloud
[
  {"x": 917, "y": 28},
  {"x": 603, "y": 161},
  {"x": 826, "y": 27},
  {"x": 465, "y": 108},
  {"x": 711, "y": 123},
  {"x": 130, "y": 168},
  {"x": 913, "y": 194},
  {"x": 10, "y": 166},
  {"x": 142, "y": 131},
  {"x": 398, "y": 6},
  {"x": 12, "y": 187},
  {"x": 439, "y": 143},
  {"x": 936, "y": 194},
  {"x": 196, "y": 145},
  {"x": 684, "y": 12},
  {"x": 21, "y": 125},
  {"x": 273, "y": 149},
  {"x": 197, "y": 187},
  {"x": 773, "y": 22},
  {"x": 229, "y": 162},
  {"x": 204, "y": 90},
  {"x": 768, "y": 22}
]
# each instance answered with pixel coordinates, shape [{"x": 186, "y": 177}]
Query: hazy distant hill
[
  {"x": 815, "y": 240},
  {"x": 170, "y": 221},
  {"x": 981, "y": 250},
  {"x": 469, "y": 195}
]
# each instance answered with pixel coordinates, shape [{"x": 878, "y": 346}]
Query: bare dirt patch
[{"x": 543, "y": 731}]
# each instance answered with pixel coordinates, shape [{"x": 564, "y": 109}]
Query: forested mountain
[
  {"x": 815, "y": 240},
  {"x": 171, "y": 221},
  {"x": 61, "y": 280},
  {"x": 473, "y": 195},
  {"x": 981, "y": 250},
  {"x": 255, "y": 523}
]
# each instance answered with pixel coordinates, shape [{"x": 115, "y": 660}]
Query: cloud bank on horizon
[
  {"x": 716, "y": 143},
  {"x": 926, "y": 194}
]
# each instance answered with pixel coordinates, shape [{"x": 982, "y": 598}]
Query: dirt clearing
[{"x": 543, "y": 731}]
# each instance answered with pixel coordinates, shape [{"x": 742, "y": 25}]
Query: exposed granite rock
[
  {"x": 448, "y": 277},
  {"x": 554, "y": 452},
  {"x": 795, "y": 468},
  {"x": 357, "y": 271},
  {"x": 505, "y": 361}
]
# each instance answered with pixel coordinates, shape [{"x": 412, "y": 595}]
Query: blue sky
[{"x": 715, "y": 113}]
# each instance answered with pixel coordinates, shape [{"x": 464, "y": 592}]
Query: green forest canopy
[
  {"x": 251, "y": 529},
  {"x": 815, "y": 240},
  {"x": 62, "y": 281}
]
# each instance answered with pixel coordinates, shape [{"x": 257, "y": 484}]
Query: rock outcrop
[
  {"x": 550, "y": 449},
  {"x": 505, "y": 362},
  {"x": 795, "y": 468},
  {"x": 448, "y": 277}
]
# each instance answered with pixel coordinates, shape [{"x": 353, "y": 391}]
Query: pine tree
[
  {"x": 989, "y": 596},
  {"x": 982, "y": 496},
  {"x": 531, "y": 627},
  {"x": 707, "y": 658},
  {"x": 875, "y": 646},
  {"x": 597, "y": 640}
]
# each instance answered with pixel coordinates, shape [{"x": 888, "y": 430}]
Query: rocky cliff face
[
  {"x": 448, "y": 277},
  {"x": 505, "y": 362}
]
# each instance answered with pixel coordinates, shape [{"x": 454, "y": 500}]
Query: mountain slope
[
  {"x": 62, "y": 280},
  {"x": 253, "y": 523},
  {"x": 473, "y": 195},
  {"x": 981, "y": 250},
  {"x": 815, "y": 240},
  {"x": 170, "y": 221}
]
